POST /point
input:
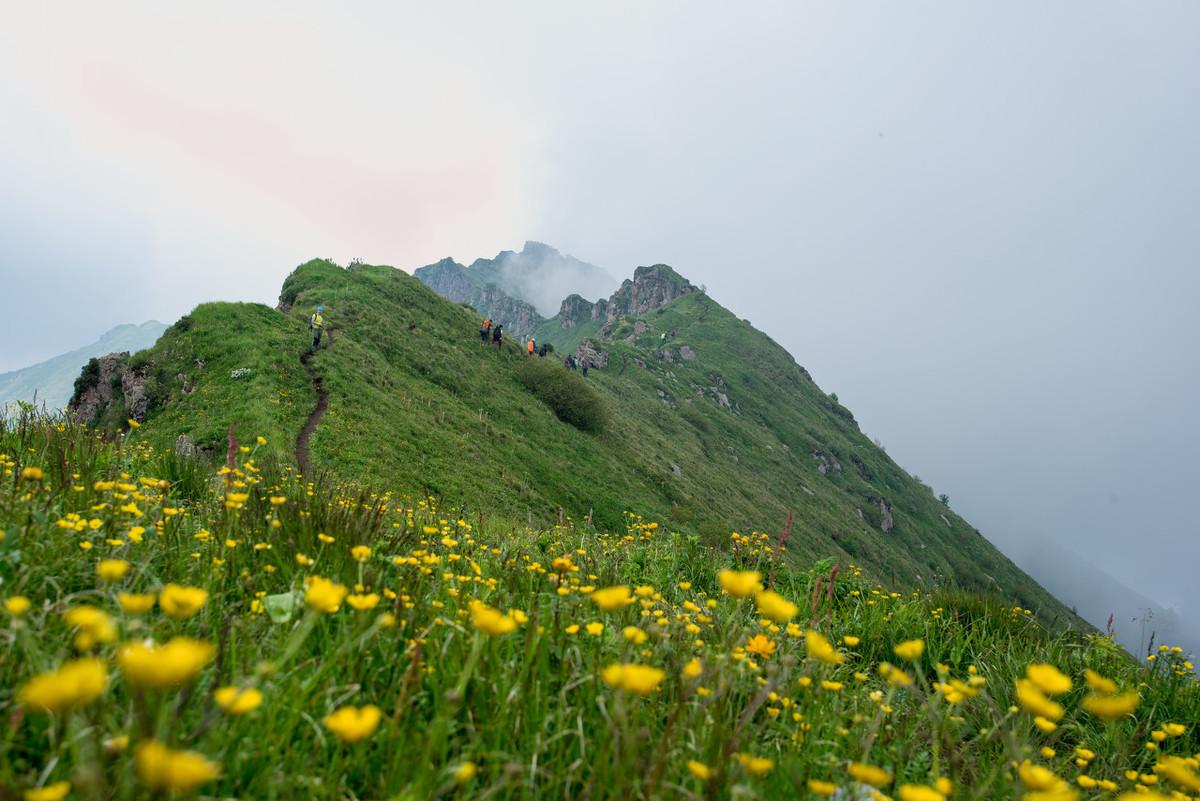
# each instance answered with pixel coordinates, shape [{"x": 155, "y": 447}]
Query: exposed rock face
[
  {"x": 94, "y": 389},
  {"x": 106, "y": 381},
  {"x": 589, "y": 353},
  {"x": 454, "y": 282},
  {"x": 538, "y": 277},
  {"x": 574, "y": 310},
  {"x": 519, "y": 318},
  {"x": 888, "y": 522},
  {"x": 827, "y": 464},
  {"x": 184, "y": 446},
  {"x": 687, "y": 353},
  {"x": 650, "y": 288}
]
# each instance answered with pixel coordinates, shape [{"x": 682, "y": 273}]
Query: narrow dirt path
[{"x": 314, "y": 417}]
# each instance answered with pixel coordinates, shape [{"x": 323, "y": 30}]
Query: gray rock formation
[{"x": 590, "y": 353}]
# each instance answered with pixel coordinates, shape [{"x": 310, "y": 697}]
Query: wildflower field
[{"x": 175, "y": 628}]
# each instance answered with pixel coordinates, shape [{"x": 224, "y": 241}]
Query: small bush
[{"x": 564, "y": 392}]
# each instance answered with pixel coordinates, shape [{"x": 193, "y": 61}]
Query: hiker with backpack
[
  {"x": 485, "y": 330},
  {"x": 530, "y": 346},
  {"x": 498, "y": 335},
  {"x": 316, "y": 324}
]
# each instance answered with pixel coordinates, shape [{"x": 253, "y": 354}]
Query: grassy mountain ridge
[{"x": 715, "y": 429}]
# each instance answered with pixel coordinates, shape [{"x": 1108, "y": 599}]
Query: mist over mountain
[
  {"x": 52, "y": 381},
  {"x": 519, "y": 289}
]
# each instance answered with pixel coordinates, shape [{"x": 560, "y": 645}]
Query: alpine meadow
[{"x": 416, "y": 562}]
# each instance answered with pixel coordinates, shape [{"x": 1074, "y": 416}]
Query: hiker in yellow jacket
[{"x": 316, "y": 324}]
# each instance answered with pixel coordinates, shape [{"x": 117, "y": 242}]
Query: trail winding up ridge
[{"x": 314, "y": 417}]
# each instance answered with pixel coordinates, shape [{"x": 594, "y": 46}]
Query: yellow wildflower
[
  {"x": 755, "y": 766},
  {"x": 136, "y": 603},
  {"x": 17, "y": 605},
  {"x": 822, "y": 789},
  {"x": 1048, "y": 679},
  {"x": 465, "y": 772},
  {"x": 759, "y": 644},
  {"x": 633, "y": 678},
  {"x": 821, "y": 649},
  {"x": 868, "y": 774},
  {"x": 699, "y": 770},
  {"x": 182, "y": 602},
  {"x": 163, "y": 768},
  {"x": 595, "y": 629},
  {"x": 692, "y": 669},
  {"x": 94, "y": 625},
  {"x": 1111, "y": 707},
  {"x": 775, "y": 606},
  {"x": 1098, "y": 682},
  {"x": 740, "y": 583},
  {"x": 361, "y": 553},
  {"x": 363, "y": 603},
  {"x": 161, "y": 666},
  {"x": 919, "y": 792},
  {"x": 111, "y": 570},
  {"x": 850, "y": 641},
  {"x": 910, "y": 650},
  {"x": 237, "y": 701},
  {"x": 74, "y": 684},
  {"x": 51, "y": 792},
  {"x": 491, "y": 621},
  {"x": 324, "y": 595},
  {"x": 351, "y": 724},
  {"x": 32, "y": 474},
  {"x": 1035, "y": 702},
  {"x": 610, "y": 599}
]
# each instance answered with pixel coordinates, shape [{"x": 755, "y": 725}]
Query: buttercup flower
[
  {"x": 163, "y": 768},
  {"x": 740, "y": 584},
  {"x": 352, "y": 724},
  {"x": 161, "y": 666},
  {"x": 74, "y": 684},
  {"x": 181, "y": 602}
]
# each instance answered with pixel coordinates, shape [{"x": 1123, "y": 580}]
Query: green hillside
[{"x": 730, "y": 440}]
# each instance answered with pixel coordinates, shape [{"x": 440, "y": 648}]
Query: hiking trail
[{"x": 314, "y": 417}]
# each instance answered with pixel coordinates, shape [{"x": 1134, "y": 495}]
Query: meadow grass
[{"x": 174, "y": 628}]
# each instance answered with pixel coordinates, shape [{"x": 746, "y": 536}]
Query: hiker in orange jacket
[
  {"x": 485, "y": 330},
  {"x": 530, "y": 346}
]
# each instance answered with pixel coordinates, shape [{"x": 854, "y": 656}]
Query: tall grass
[{"x": 517, "y": 698}]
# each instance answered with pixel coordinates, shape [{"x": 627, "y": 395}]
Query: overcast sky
[{"x": 978, "y": 225}]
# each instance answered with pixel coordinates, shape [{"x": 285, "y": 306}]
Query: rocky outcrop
[
  {"x": 106, "y": 382},
  {"x": 454, "y": 282},
  {"x": 97, "y": 386},
  {"x": 650, "y": 288},
  {"x": 826, "y": 463},
  {"x": 575, "y": 309},
  {"x": 590, "y": 353}
]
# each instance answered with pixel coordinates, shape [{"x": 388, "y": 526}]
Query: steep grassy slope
[
  {"x": 172, "y": 631},
  {"x": 729, "y": 440}
]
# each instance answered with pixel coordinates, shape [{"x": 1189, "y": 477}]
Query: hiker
[
  {"x": 316, "y": 324},
  {"x": 585, "y": 364},
  {"x": 542, "y": 350},
  {"x": 530, "y": 346},
  {"x": 497, "y": 335},
  {"x": 569, "y": 362},
  {"x": 485, "y": 330}
]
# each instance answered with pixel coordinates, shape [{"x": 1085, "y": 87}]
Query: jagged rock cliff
[{"x": 516, "y": 288}]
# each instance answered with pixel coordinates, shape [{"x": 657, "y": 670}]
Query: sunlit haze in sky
[{"x": 978, "y": 225}]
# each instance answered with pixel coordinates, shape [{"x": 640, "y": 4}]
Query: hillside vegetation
[
  {"x": 732, "y": 439},
  {"x": 171, "y": 630}
]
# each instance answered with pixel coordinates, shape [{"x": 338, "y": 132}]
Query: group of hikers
[
  {"x": 494, "y": 332},
  {"x": 488, "y": 332}
]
